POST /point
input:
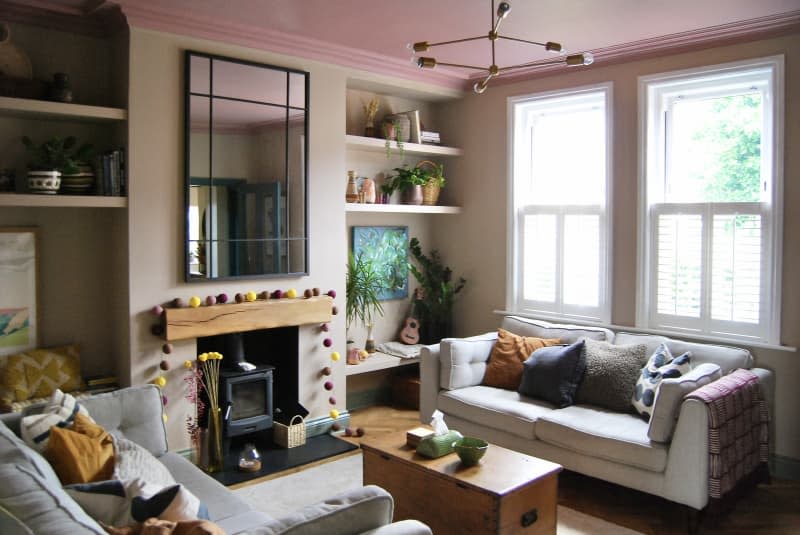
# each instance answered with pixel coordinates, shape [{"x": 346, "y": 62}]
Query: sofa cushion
[
  {"x": 670, "y": 397},
  {"x": 14, "y": 451},
  {"x": 463, "y": 361},
  {"x": 133, "y": 413},
  {"x": 726, "y": 357},
  {"x": 553, "y": 373},
  {"x": 543, "y": 329},
  {"x": 611, "y": 373},
  {"x": 81, "y": 453},
  {"x": 60, "y": 411},
  {"x": 604, "y": 434},
  {"x": 661, "y": 365},
  {"x": 495, "y": 408},
  {"x": 40, "y": 505},
  {"x": 39, "y": 372},
  {"x": 504, "y": 368}
]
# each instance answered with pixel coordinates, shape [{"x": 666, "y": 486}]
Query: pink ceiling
[{"x": 368, "y": 32}]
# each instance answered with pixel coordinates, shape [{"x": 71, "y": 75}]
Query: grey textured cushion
[
  {"x": 611, "y": 373},
  {"x": 670, "y": 396},
  {"x": 552, "y": 373},
  {"x": 14, "y": 451},
  {"x": 41, "y": 506},
  {"x": 463, "y": 360}
]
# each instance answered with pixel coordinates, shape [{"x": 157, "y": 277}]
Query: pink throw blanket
[{"x": 738, "y": 431}]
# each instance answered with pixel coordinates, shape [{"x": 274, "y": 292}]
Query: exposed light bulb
[
  {"x": 503, "y": 10},
  {"x": 588, "y": 58},
  {"x": 426, "y": 63},
  {"x": 585, "y": 58},
  {"x": 551, "y": 46},
  {"x": 410, "y": 46}
]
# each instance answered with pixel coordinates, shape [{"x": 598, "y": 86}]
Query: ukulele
[{"x": 409, "y": 333}]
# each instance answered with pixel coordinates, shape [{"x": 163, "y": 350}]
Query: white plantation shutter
[
  {"x": 560, "y": 189},
  {"x": 679, "y": 263}
]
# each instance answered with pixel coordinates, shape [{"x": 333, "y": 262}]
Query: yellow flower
[
  {"x": 218, "y": 356},
  {"x": 188, "y": 364},
  {"x": 335, "y": 356},
  {"x": 202, "y": 357}
]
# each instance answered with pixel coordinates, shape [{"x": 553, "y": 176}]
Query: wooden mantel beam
[{"x": 185, "y": 323}]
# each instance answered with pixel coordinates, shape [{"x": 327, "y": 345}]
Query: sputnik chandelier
[{"x": 503, "y": 9}]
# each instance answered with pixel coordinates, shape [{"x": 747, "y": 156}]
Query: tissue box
[
  {"x": 436, "y": 446},
  {"x": 415, "y": 435}
]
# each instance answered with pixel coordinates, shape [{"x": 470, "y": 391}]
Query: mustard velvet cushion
[
  {"x": 504, "y": 367},
  {"x": 39, "y": 372},
  {"x": 81, "y": 453}
]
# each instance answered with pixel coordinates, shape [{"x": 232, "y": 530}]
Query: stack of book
[
  {"x": 429, "y": 137},
  {"x": 97, "y": 384},
  {"x": 111, "y": 179}
]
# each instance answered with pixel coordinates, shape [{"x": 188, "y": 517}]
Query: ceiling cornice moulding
[
  {"x": 284, "y": 43},
  {"x": 724, "y": 34}
]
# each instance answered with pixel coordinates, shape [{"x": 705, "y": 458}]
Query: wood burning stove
[{"x": 246, "y": 401}]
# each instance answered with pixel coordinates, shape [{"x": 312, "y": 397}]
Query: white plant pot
[{"x": 47, "y": 182}]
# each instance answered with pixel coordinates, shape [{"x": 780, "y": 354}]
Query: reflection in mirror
[{"x": 246, "y": 164}]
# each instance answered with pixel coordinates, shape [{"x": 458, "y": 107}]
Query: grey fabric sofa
[
  {"x": 33, "y": 501},
  {"x": 608, "y": 445}
]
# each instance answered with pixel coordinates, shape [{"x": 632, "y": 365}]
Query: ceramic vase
[{"x": 412, "y": 195}]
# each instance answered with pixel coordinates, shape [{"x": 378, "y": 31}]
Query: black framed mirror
[{"x": 246, "y": 161}]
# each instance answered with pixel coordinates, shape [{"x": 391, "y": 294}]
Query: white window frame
[
  {"x": 516, "y": 214},
  {"x": 651, "y": 169}
]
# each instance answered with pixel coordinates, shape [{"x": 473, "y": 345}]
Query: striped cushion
[{"x": 60, "y": 411}]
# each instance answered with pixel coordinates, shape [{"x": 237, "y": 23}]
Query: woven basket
[
  {"x": 292, "y": 435},
  {"x": 430, "y": 191}
]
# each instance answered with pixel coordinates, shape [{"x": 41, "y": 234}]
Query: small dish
[{"x": 470, "y": 450}]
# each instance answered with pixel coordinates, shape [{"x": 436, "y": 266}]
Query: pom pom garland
[
  {"x": 335, "y": 356},
  {"x": 222, "y": 298},
  {"x": 166, "y": 348},
  {"x": 250, "y": 296},
  {"x": 332, "y": 293},
  {"x": 334, "y": 414},
  {"x": 194, "y": 301},
  {"x": 291, "y": 293},
  {"x": 328, "y": 385},
  {"x": 211, "y": 300},
  {"x": 157, "y": 310},
  {"x": 327, "y": 342}
]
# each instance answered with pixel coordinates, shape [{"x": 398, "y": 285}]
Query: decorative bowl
[{"x": 470, "y": 450}]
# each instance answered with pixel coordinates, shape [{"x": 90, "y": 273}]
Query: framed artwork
[
  {"x": 19, "y": 266},
  {"x": 387, "y": 249}
]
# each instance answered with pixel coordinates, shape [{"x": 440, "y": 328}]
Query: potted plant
[
  {"x": 434, "y": 184},
  {"x": 362, "y": 287},
  {"x": 51, "y": 159},
  {"x": 409, "y": 181},
  {"x": 434, "y": 299}
]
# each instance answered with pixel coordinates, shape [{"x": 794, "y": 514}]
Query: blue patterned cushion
[{"x": 661, "y": 365}]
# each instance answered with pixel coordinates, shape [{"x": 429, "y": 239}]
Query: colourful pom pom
[
  {"x": 264, "y": 295},
  {"x": 178, "y": 303},
  {"x": 327, "y": 370},
  {"x": 160, "y": 381},
  {"x": 164, "y": 365},
  {"x": 157, "y": 310},
  {"x": 188, "y": 364},
  {"x": 222, "y": 298},
  {"x": 211, "y": 300},
  {"x": 348, "y": 431},
  {"x": 332, "y": 400},
  {"x": 360, "y": 431},
  {"x": 165, "y": 417},
  {"x": 335, "y": 356},
  {"x": 324, "y": 328},
  {"x": 327, "y": 342},
  {"x": 332, "y": 293},
  {"x": 194, "y": 301},
  {"x": 164, "y": 399},
  {"x": 334, "y": 414},
  {"x": 166, "y": 348},
  {"x": 307, "y": 294},
  {"x": 328, "y": 385},
  {"x": 291, "y": 293},
  {"x": 250, "y": 296},
  {"x": 276, "y": 294},
  {"x": 239, "y": 298},
  {"x": 315, "y": 291},
  {"x": 335, "y": 426},
  {"x": 334, "y": 310}
]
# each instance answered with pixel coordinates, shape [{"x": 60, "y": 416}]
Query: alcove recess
[{"x": 185, "y": 323}]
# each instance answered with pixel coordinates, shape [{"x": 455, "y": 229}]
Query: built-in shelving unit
[
  {"x": 379, "y": 361},
  {"x": 63, "y": 201},
  {"x": 373, "y": 144},
  {"x": 34, "y": 109},
  {"x": 401, "y": 208}
]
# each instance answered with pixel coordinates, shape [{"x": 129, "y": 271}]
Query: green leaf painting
[{"x": 387, "y": 249}]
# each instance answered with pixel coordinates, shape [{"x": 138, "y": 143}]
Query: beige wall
[
  {"x": 156, "y": 212},
  {"x": 478, "y": 236}
]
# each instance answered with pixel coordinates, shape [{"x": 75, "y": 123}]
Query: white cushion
[
  {"x": 463, "y": 360},
  {"x": 601, "y": 433},
  {"x": 59, "y": 411},
  {"x": 670, "y": 396},
  {"x": 661, "y": 365},
  {"x": 496, "y": 408}
]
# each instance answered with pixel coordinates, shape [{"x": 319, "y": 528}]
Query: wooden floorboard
[{"x": 770, "y": 509}]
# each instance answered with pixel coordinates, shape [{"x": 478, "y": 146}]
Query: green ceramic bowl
[{"x": 470, "y": 450}]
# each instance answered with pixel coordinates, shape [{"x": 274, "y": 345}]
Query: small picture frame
[{"x": 19, "y": 310}]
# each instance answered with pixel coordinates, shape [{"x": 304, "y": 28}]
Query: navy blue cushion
[{"x": 553, "y": 373}]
